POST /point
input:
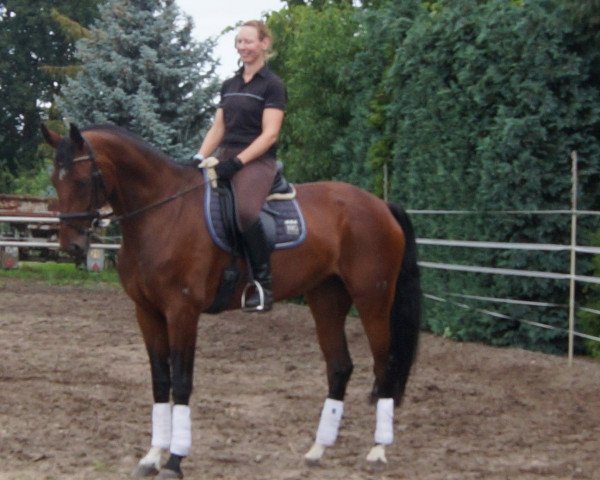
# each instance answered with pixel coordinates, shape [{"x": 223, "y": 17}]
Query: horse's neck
[{"x": 138, "y": 180}]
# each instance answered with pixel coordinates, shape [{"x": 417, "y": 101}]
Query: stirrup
[{"x": 261, "y": 296}]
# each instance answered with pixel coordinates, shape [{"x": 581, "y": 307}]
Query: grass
[
  {"x": 101, "y": 466},
  {"x": 55, "y": 273}
]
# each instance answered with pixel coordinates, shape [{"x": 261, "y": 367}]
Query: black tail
[{"x": 405, "y": 316}]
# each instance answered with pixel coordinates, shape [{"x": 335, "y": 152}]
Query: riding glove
[
  {"x": 228, "y": 168},
  {"x": 196, "y": 159}
]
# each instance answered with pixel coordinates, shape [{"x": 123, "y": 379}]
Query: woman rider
[{"x": 244, "y": 137}]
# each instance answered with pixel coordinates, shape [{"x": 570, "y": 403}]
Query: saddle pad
[{"x": 283, "y": 221}]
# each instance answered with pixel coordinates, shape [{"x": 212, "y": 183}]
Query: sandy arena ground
[{"x": 75, "y": 399}]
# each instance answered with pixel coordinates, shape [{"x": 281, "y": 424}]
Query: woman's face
[{"x": 250, "y": 48}]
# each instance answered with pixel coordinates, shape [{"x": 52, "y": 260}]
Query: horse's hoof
[
  {"x": 166, "y": 474},
  {"x": 144, "y": 470},
  {"x": 377, "y": 455},
  {"x": 313, "y": 456}
]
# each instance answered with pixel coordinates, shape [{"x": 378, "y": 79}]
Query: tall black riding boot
[{"x": 258, "y": 298}]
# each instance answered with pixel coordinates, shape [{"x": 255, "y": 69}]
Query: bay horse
[{"x": 359, "y": 250}]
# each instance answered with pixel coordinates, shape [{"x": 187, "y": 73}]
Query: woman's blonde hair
[{"x": 263, "y": 32}]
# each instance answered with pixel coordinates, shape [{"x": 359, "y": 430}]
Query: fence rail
[
  {"x": 547, "y": 247},
  {"x": 33, "y": 242},
  {"x": 52, "y": 245}
]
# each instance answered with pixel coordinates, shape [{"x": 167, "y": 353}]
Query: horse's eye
[{"x": 82, "y": 184}]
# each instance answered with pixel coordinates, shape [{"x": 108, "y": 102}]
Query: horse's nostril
[{"x": 75, "y": 250}]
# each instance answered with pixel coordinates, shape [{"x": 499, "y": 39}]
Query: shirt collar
[{"x": 262, "y": 72}]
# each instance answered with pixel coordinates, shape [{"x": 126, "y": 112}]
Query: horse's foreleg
[
  {"x": 182, "y": 341},
  {"x": 329, "y": 304},
  {"x": 161, "y": 414},
  {"x": 154, "y": 331}
]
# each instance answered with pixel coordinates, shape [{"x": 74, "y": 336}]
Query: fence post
[
  {"x": 385, "y": 181},
  {"x": 573, "y": 256}
]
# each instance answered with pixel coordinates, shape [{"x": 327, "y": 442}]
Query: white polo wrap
[
  {"x": 384, "y": 430},
  {"x": 181, "y": 437},
  {"x": 329, "y": 425},
  {"x": 161, "y": 425}
]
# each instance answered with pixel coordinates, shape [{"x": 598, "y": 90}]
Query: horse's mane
[{"x": 139, "y": 142}]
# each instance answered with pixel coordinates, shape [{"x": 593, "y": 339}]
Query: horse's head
[{"x": 80, "y": 188}]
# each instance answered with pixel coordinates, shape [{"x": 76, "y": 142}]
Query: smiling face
[{"x": 251, "y": 48}]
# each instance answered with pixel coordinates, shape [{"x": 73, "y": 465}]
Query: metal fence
[
  {"x": 454, "y": 298},
  {"x": 570, "y": 276}
]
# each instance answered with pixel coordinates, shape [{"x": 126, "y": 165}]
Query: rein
[
  {"x": 96, "y": 215},
  {"x": 170, "y": 198}
]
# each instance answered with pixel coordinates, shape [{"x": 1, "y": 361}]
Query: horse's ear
[
  {"x": 51, "y": 138},
  {"x": 76, "y": 136}
]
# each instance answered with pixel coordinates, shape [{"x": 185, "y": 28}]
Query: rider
[{"x": 243, "y": 137}]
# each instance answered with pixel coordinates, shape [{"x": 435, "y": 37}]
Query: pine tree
[{"x": 142, "y": 70}]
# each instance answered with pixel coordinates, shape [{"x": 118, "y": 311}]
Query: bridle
[{"x": 97, "y": 196}]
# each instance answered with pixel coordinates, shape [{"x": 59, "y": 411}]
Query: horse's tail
[{"x": 405, "y": 315}]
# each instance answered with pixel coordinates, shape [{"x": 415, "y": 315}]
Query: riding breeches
[{"x": 250, "y": 185}]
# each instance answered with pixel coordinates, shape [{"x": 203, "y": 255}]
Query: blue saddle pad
[{"x": 282, "y": 220}]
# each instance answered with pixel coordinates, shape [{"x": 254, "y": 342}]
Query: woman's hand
[{"x": 228, "y": 168}]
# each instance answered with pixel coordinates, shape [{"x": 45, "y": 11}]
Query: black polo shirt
[{"x": 243, "y": 105}]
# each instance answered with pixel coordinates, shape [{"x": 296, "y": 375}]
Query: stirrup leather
[{"x": 261, "y": 296}]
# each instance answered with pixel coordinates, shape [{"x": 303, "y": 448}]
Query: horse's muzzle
[
  {"x": 76, "y": 250},
  {"x": 76, "y": 245}
]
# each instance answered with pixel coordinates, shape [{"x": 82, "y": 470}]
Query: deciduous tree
[
  {"x": 29, "y": 39},
  {"x": 315, "y": 47}
]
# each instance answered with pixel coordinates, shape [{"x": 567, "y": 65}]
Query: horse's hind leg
[
  {"x": 374, "y": 311},
  {"x": 329, "y": 304}
]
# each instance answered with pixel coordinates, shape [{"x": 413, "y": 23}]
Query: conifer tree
[{"x": 142, "y": 70}]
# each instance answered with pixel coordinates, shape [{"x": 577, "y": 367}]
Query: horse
[{"x": 359, "y": 250}]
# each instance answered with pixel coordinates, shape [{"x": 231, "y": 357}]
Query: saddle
[{"x": 281, "y": 217}]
